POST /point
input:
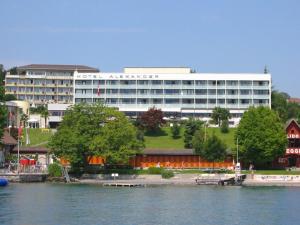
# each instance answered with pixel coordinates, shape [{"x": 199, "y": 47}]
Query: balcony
[
  {"x": 261, "y": 96},
  {"x": 261, "y": 87},
  {"x": 188, "y": 86},
  {"x": 232, "y": 106},
  {"x": 200, "y": 106},
  {"x": 172, "y": 86}
]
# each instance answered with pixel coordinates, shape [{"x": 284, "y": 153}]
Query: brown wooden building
[{"x": 177, "y": 159}]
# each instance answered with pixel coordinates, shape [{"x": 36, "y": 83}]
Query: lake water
[{"x": 34, "y": 204}]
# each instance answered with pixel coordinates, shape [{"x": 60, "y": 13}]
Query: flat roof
[
  {"x": 56, "y": 67},
  {"x": 150, "y": 151}
]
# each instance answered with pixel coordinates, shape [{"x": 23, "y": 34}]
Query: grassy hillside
[
  {"x": 164, "y": 139},
  {"x": 161, "y": 140},
  {"x": 37, "y": 137}
]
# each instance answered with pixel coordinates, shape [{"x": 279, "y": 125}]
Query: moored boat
[{"x": 3, "y": 182}]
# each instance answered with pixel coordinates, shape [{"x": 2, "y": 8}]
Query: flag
[
  {"x": 98, "y": 90},
  {"x": 20, "y": 131}
]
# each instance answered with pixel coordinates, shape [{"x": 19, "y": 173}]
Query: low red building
[
  {"x": 176, "y": 159},
  {"x": 291, "y": 157}
]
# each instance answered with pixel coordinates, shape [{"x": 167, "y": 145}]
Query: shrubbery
[
  {"x": 166, "y": 174},
  {"x": 155, "y": 170},
  {"x": 54, "y": 170}
]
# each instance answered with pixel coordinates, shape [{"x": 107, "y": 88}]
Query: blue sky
[{"x": 209, "y": 36}]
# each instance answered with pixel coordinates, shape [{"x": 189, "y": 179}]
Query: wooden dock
[
  {"x": 215, "y": 180},
  {"x": 123, "y": 185}
]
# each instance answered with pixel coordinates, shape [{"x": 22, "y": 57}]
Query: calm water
[{"x": 32, "y": 204}]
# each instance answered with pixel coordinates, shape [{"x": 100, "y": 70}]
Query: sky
[{"x": 210, "y": 36}]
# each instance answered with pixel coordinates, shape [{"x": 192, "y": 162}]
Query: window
[
  {"x": 172, "y": 92},
  {"x": 157, "y": 82},
  {"x": 143, "y": 82},
  {"x": 172, "y": 82},
  {"x": 171, "y": 101},
  {"x": 187, "y": 82},
  {"x": 201, "y": 92}
]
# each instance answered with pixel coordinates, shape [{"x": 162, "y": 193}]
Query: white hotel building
[{"x": 177, "y": 91}]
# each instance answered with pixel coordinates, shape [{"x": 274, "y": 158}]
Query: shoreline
[{"x": 177, "y": 180}]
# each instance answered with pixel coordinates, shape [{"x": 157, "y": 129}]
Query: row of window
[
  {"x": 183, "y": 114},
  {"x": 173, "y": 91},
  {"x": 38, "y": 82},
  {"x": 174, "y": 101},
  {"x": 173, "y": 82}
]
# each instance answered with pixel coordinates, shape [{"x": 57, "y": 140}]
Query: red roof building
[{"x": 292, "y": 152}]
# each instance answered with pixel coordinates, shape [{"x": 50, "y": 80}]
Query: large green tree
[
  {"x": 219, "y": 115},
  {"x": 261, "y": 136},
  {"x": 191, "y": 126},
  {"x": 211, "y": 149},
  {"x": 279, "y": 104},
  {"x": 94, "y": 130}
]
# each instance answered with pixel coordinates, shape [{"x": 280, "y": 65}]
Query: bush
[
  {"x": 166, "y": 174},
  {"x": 175, "y": 130},
  {"x": 224, "y": 126},
  {"x": 155, "y": 170},
  {"x": 54, "y": 170}
]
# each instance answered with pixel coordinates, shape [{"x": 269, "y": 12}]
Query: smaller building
[
  {"x": 56, "y": 113},
  {"x": 294, "y": 100},
  {"x": 8, "y": 143},
  {"x": 291, "y": 157}
]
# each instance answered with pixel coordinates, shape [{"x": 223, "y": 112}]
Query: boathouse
[
  {"x": 177, "y": 159},
  {"x": 291, "y": 157}
]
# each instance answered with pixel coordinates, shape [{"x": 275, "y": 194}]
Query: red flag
[
  {"x": 20, "y": 131},
  {"x": 98, "y": 90}
]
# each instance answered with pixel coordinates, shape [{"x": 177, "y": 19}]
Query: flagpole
[{"x": 18, "y": 154}]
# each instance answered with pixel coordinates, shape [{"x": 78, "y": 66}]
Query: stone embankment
[
  {"x": 272, "y": 180},
  {"x": 146, "y": 180}
]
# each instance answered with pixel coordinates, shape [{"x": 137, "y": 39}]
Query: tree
[
  {"x": 279, "y": 104},
  {"x": 3, "y": 111},
  {"x": 24, "y": 119},
  {"x": 293, "y": 110},
  {"x": 9, "y": 97},
  {"x": 45, "y": 114},
  {"x": 152, "y": 120},
  {"x": 2, "y": 75},
  {"x": 94, "y": 130},
  {"x": 175, "y": 130},
  {"x": 191, "y": 127},
  {"x": 220, "y": 114},
  {"x": 213, "y": 149},
  {"x": 261, "y": 136},
  {"x": 198, "y": 141},
  {"x": 13, "y": 70},
  {"x": 224, "y": 126}
]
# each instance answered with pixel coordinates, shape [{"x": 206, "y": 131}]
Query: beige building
[{"x": 42, "y": 83}]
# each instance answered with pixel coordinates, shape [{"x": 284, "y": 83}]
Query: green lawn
[
  {"x": 37, "y": 137},
  {"x": 161, "y": 140},
  {"x": 164, "y": 140}
]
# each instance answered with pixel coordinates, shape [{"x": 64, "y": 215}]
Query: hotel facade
[
  {"x": 178, "y": 92},
  {"x": 41, "y": 84}
]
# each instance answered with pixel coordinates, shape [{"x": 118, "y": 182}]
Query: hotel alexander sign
[{"x": 115, "y": 76}]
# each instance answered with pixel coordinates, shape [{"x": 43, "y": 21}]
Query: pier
[{"x": 123, "y": 185}]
